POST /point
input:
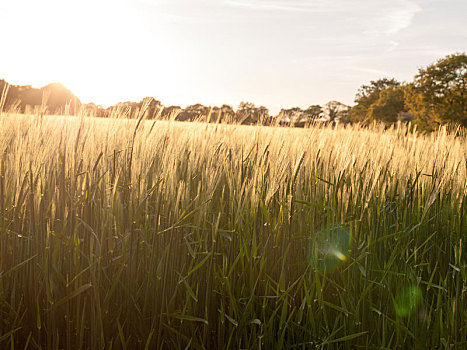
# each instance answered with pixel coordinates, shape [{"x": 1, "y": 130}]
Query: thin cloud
[
  {"x": 392, "y": 46},
  {"x": 394, "y": 18},
  {"x": 378, "y": 17},
  {"x": 378, "y": 72},
  {"x": 295, "y": 6}
]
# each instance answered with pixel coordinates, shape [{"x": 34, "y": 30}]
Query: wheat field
[{"x": 129, "y": 234}]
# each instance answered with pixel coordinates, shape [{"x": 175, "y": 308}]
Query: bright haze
[{"x": 276, "y": 53}]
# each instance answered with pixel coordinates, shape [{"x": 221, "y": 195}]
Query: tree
[
  {"x": 248, "y": 113},
  {"x": 439, "y": 91},
  {"x": 418, "y": 108},
  {"x": 313, "y": 112},
  {"x": 389, "y": 105},
  {"x": 367, "y": 95},
  {"x": 193, "y": 112},
  {"x": 290, "y": 116},
  {"x": 171, "y": 112},
  {"x": 334, "y": 110},
  {"x": 225, "y": 113},
  {"x": 375, "y": 86},
  {"x": 151, "y": 107},
  {"x": 59, "y": 97},
  {"x": 92, "y": 110}
]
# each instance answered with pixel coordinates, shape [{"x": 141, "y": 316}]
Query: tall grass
[{"x": 124, "y": 234}]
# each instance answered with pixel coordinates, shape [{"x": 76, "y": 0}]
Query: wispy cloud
[
  {"x": 393, "y": 18},
  {"x": 296, "y": 6},
  {"x": 392, "y": 46},
  {"x": 375, "y": 16},
  {"x": 377, "y": 72}
]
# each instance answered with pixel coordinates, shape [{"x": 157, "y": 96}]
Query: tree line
[{"x": 436, "y": 96}]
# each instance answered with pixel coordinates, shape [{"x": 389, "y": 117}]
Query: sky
[{"x": 275, "y": 53}]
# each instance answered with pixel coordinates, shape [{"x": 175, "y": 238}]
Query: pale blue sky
[{"x": 272, "y": 52}]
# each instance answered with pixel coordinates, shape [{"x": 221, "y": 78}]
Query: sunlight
[
  {"x": 96, "y": 49},
  {"x": 233, "y": 174}
]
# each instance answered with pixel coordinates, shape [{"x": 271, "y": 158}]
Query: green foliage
[
  {"x": 371, "y": 91},
  {"x": 441, "y": 90},
  {"x": 424, "y": 116},
  {"x": 387, "y": 107},
  {"x": 438, "y": 95},
  {"x": 369, "y": 95}
]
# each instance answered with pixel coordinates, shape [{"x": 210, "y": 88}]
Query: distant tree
[
  {"x": 92, "y": 110},
  {"x": 290, "y": 116},
  {"x": 424, "y": 116},
  {"x": 60, "y": 100},
  {"x": 376, "y": 86},
  {"x": 227, "y": 109},
  {"x": 313, "y": 112},
  {"x": 262, "y": 115},
  {"x": 334, "y": 110},
  {"x": 367, "y": 95},
  {"x": 245, "y": 110},
  {"x": 170, "y": 112},
  {"x": 388, "y": 106},
  {"x": 19, "y": 98},
  {"x": 225, "y": 113},
  {"x": 248, "y": 113},
  {"x": 151, "y": 107},
  {"x": 439, "y": 92},
  {"x": 193, "y": 112},
  {"x": 127, "y": 109}
]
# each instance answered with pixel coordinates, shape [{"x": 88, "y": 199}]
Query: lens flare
[
  {"x": 407, "y": 301},
  {"x": 329, "y": 248}
]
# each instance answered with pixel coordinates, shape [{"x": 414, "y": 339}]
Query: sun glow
[
  {"x": 96, "y": 49},
  {"x": 280, "y": 54}
]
